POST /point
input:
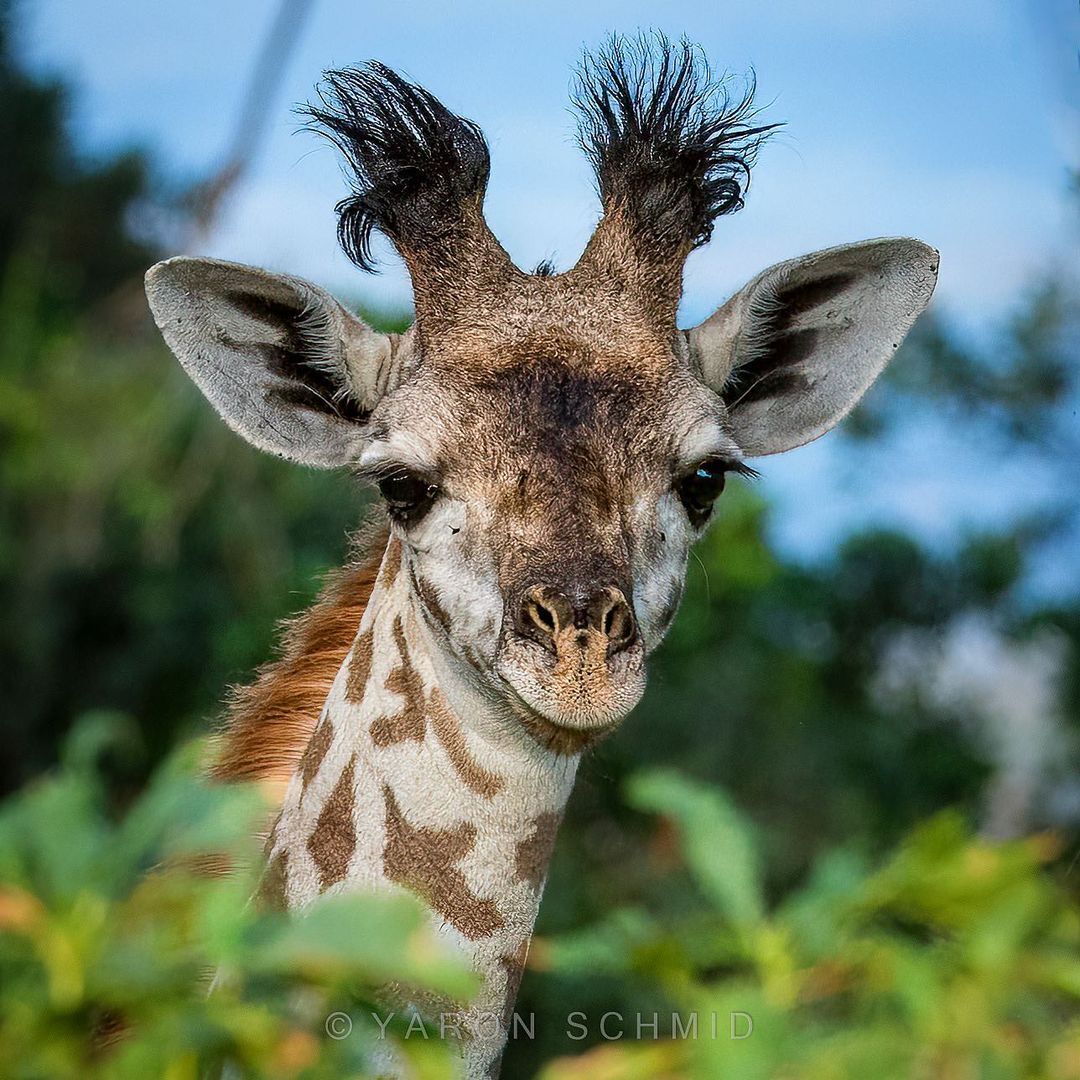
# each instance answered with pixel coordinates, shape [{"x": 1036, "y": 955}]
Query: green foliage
[
  {"x": 110, "y": 936},
  {"x": 955, "y": 957},
  {"x": 716, "y": 842},
  {"x": 145, "y": 552}
]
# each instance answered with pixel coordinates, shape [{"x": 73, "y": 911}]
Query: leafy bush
[
  {"x": 110, "y": 936},
  {"x": 955, "y": 958}
]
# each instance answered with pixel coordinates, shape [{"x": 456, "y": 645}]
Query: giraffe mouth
[{"x": 577, "y": 689}]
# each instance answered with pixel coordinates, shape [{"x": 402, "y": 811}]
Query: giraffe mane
[{"x": 269, "y": 722}]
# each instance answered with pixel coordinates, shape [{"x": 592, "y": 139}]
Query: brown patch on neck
[
  {"x": 423, "y": 861},
  {"x": 448, "y": 731},
  {"x": 316, "y": 751},
  {"x": 333, "y": 840},
  {"x": 270, "y": 723},
  {"x": 410, "y": 722},
  {"x": 534, "y": 852},
  {"x": 360, "y": 667},
  {"x": 514, "y": 966},
  {"x": 420, "y": 706},
  {"x": 391, "y": 563}
]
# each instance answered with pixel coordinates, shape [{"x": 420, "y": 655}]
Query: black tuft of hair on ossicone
[
  {"x": 670, "y": 145},
  {"x": 415, "y": 165}
]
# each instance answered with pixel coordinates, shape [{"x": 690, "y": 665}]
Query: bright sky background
[{"x": 950, "y": 120}]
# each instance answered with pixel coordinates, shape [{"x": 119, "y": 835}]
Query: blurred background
[{"x": 885, "y": 626}]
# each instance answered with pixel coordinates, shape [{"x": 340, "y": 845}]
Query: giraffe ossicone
[{"x": 548, "y": 447}]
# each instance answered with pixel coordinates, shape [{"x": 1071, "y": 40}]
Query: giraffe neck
[{"x": 415, "y": 779}]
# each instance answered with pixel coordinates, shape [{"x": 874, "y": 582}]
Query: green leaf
[
  {"x": 609, "y": 946},
  {"x": 716, "y": 840},
  {"x": 378, "y": 938}
]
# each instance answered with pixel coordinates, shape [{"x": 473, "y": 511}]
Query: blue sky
[{"x": 950, "y": 120}]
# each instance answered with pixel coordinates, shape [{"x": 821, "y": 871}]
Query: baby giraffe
[{"x": 548, "y": 447}]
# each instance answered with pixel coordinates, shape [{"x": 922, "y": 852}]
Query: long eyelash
[
  {"x": 740, "y": 468},
  {"x": 730, "y": 465}
]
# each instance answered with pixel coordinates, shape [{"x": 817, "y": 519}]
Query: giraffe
[{"x": 547, "y": 446}]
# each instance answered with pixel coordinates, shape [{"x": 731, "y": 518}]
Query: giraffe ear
[
  {"x": 285, "y": 365},
  {"x": 793, "y": 351}
]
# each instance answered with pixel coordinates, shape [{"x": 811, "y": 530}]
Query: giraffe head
[{"x": 548, "y": 446}]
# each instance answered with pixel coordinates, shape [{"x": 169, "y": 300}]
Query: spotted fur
[{"x": 407, "y": 785}]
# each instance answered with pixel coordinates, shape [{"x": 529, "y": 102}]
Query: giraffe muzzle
[{"x": 574, "y": 657}]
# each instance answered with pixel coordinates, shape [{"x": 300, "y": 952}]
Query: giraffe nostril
[
  {"x": 542, "y": 616},
  {"x": 620, "y": 628},
  {"x": 545, "y": 613}
]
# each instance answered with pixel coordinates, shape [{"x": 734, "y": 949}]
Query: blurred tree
[
  {"x": 145, "y": 553},
  {"x": 956, "y": 957},
  {"x": 69, "y": 228}
]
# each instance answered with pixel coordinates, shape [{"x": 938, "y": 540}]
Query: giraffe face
[
  {"x": 549, "y": 446},
  {"x": 547, "y": 495}
]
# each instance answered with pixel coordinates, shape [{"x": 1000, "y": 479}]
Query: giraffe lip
[
  {"x": 558, "y": 735},
  {"x": 582, "y": 706},
  {"x": 536, "y": 715},
  {"x": 521, "y": 704}
]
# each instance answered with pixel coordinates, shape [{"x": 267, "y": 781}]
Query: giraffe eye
[
  {"x": 701, "y": 487},
  {"x": 698, "y": 490},
  {"x": 408, "y": 496}
]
